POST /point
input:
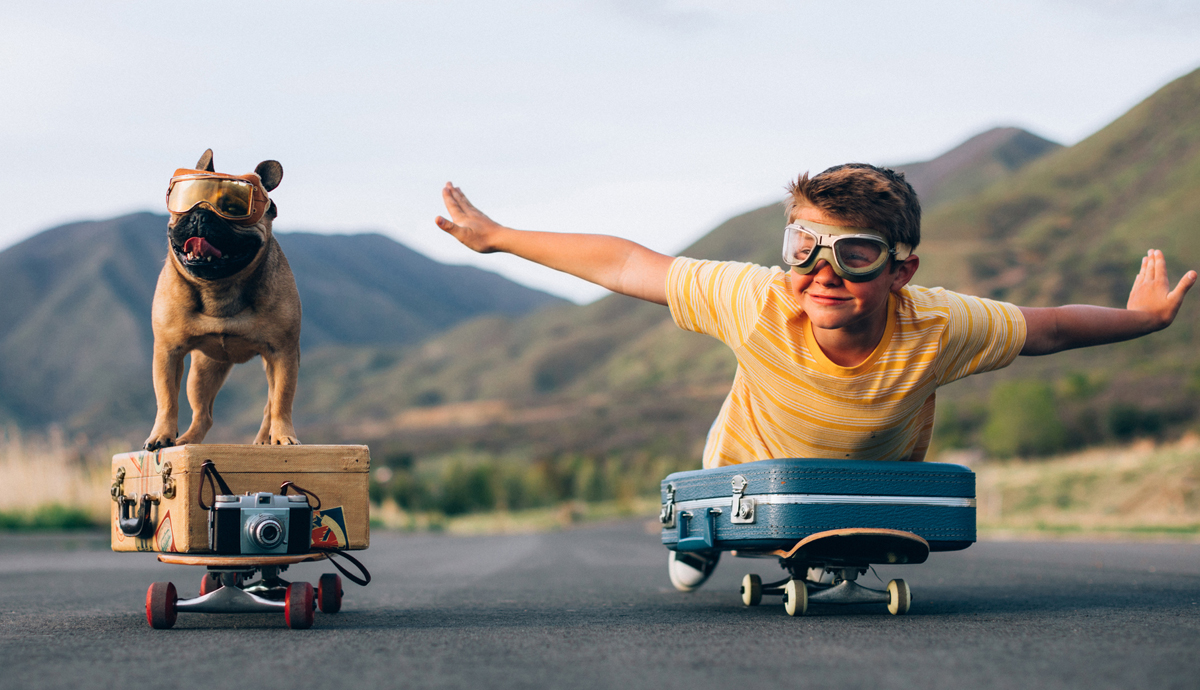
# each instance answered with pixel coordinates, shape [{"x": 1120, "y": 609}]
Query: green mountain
[{"x": 975, "y": 164}]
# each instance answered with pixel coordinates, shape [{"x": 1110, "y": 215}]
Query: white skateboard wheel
[
  {"x": 901, "y": 597},
  {"x": 751, "y": 590},
  {"x": 795, "y": 597}
]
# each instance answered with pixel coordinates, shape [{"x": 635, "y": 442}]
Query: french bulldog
[{"x": 225, "y": 294}]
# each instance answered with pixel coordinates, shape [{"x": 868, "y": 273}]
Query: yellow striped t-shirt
[{"x": 790, "y": 401}]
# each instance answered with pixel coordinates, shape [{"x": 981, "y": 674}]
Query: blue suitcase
[
  {"x": 826, "y": 520},
  {"x": 772, "y": 504}
]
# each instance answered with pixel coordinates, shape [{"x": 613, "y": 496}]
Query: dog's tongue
[{"x": 200, "y": 247}]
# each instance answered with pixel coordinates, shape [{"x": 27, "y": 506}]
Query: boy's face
[{"x": 834, "y": 303}]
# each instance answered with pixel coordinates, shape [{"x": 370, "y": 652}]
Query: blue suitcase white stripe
[{"x": 790, "y": 499}]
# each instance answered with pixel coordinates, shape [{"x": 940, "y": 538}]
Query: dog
[{"x": 225, "y": 294}]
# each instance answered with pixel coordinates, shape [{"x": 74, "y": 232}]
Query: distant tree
[{"x": 1023, "y": 420}]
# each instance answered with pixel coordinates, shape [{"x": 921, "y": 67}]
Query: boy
[{"x": 839, "y": 357}]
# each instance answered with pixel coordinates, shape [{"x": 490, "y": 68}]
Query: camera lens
[{"x": 265, "y": 531}]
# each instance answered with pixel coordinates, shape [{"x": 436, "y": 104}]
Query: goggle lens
[
  {"x": 229, "y": 198},
  {"x": 858, "y": 254},
  {"x": 800, "y": 246}
]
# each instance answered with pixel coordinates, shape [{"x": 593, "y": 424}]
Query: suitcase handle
[
  {"x": 708, "y": 525},
  {"x": 139, "y": 526}
]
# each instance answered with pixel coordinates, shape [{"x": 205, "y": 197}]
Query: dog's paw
[
  {"x": 156, "y": 442},
  {"x": 285, "y": 441}
]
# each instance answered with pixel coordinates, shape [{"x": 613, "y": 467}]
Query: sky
[{"x": 649, "y": 119}]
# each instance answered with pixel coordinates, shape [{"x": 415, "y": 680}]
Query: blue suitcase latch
[
  {"x": 742, "y": 510},
  {"x": 708, "y": 525},
  {"x": 667, "y": 514}
]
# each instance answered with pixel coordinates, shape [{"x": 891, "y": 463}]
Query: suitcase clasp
[
  {"x": 742, "y": 510},
  {"x": 707, "y": 538},
  {"x": 168, "y": 484},
  {"x": 666, "y": 515}
]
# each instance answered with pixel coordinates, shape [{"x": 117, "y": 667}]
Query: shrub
[{"x": 1023, "y": 420}]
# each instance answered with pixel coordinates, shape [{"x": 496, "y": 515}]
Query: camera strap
[
  {"x": 283, "y": 489},
  {"x": 366, "y": 576},
  {"x": 208, "y": 471}
]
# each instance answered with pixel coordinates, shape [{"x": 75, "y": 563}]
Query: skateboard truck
[
  {"x": 824, "y": 568},
  {"x": 265, "y": 596}
]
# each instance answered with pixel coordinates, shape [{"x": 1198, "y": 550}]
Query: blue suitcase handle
[{"x": 703, "y": 542}]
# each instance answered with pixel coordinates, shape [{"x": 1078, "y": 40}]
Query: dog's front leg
[
  {"x": 204, "y": 381},
  {"x": 282, "y": 369},
  {"x": 168, "y": 372}
]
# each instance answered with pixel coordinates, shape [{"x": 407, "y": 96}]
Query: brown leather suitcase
[{"x": 156, "y": 495}]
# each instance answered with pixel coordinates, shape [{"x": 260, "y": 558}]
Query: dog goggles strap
[
  {"x": 362, "y": 581},
  {"x": 283, "y": 489},
  {"x": 208, "y": 471}
]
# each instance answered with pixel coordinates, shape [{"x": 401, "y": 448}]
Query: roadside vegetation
[
  {"x": 1142, "y": 488},
  {"x": 52, "y": 483}
]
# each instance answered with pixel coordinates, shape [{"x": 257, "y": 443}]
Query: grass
[
  {"x": 52, "y": 483},
  {"x": 1135, "y": 491}
]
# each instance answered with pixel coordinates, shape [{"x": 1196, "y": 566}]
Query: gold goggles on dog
[
  {"x": 240, "y": 199},
  {"x": 855, "y": 254}
]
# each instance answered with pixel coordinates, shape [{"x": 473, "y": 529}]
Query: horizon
[{"x": 661, "y": 120}]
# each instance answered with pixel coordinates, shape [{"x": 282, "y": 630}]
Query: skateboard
[
  {"x": 824, "y": 568},
  {"x": 226, "y": 588}
]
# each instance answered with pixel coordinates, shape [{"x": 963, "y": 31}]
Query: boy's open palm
[
  {"x": 467, "y": 224},
  {"x": 1152, "y": 292}
]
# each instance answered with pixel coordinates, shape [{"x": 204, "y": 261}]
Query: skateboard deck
[
  {"x": 227, "y": 588},
  {"x": 857, "y": 546}
]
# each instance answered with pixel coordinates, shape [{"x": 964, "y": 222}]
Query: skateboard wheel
[
  {"x": 211, "y": 582},
  {"x": 329, "y": 593},
  {"x": 901, "y": 597},
  {"x": 160, "y": 605},
  {"x": 751, "y": 590},
  {"x": 298, "y": 606},
  {"x": 795, "y": 597}
]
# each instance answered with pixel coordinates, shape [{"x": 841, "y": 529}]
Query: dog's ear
[
  {"x": 271, "y": 174},
  {"x": 205, "y": 162}
]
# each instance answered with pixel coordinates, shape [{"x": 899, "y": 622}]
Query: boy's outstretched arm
[
  {"x": 1152, "y": 306},
  {"x": 612, "y": 262}
]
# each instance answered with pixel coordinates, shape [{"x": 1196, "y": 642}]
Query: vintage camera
[{"x": 261, "y": 523}]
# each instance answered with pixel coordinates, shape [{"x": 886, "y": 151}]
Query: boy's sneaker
[{"x": 690, "y": 570}]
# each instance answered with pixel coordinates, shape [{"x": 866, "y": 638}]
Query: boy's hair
[{"x": 863, "y": 195}]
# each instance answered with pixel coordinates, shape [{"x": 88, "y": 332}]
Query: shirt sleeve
[
  {"x": 720, "y": 298},
  {"x": 982, "y": 335}
]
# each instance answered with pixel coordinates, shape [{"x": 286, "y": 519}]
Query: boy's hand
[
  {"x": 469, "y": 225},
  {"x": 1150, "y": 290}
]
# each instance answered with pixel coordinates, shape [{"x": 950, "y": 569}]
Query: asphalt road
[{"x": 592, "y": 608}]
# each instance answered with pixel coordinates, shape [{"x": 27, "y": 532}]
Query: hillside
[
  {"x": 974, "y": 164},
  {"x": 75, "y": 336},
  {"x": 594, "y": 374},
  {"x": 616, "y": 379}
]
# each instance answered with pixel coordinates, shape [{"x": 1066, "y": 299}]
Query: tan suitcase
[{"x": 171, "y": 478}]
